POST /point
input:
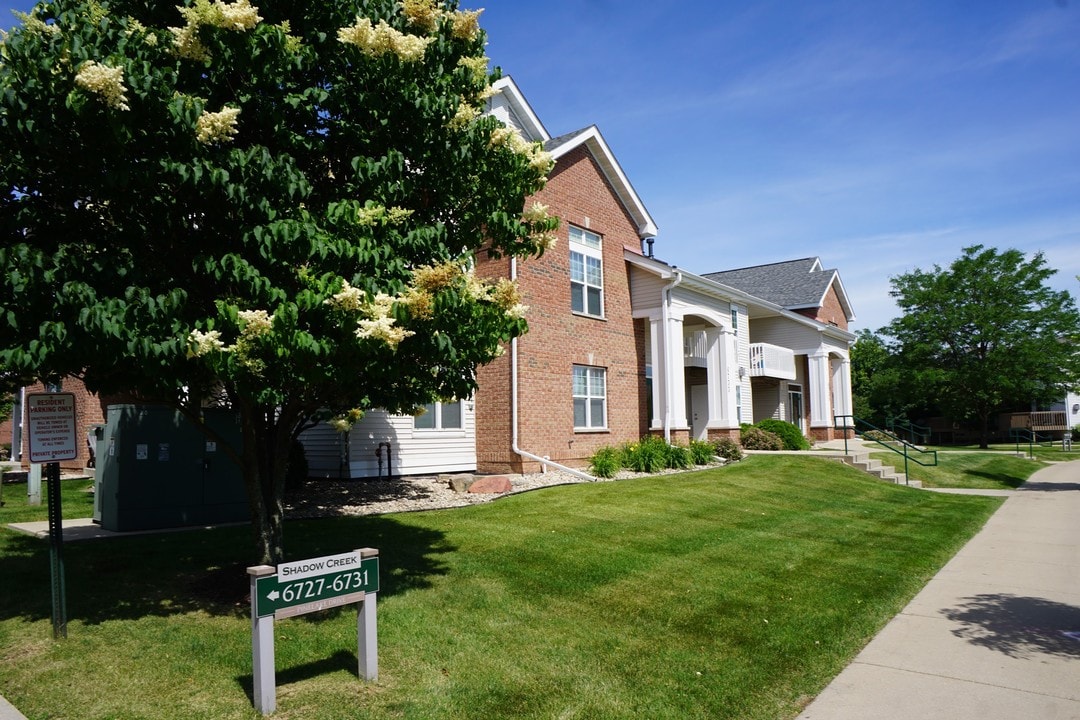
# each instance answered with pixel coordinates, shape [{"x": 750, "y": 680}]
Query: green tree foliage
[
  {"x": 986, "y": 334},
  {"x": 275, "y": 205},
  {"x": 877, "y": 387}
]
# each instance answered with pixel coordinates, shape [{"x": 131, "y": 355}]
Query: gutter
[
  {"x": 665, "y": 316},
  {"x": 544, "y": 462}
]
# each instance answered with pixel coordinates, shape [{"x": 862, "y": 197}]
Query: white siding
[
  {"x": 412, "y": 451},
  {"x": 786, "y": 333},
  {"x": 646, "y": 290}
]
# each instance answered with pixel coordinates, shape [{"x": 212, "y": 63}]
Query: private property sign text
[{"x": 51, "y": 422}]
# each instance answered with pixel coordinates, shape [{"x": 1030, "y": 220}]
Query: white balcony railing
[
  {"x": 695, "y": 351},
  {"x": 772, "y": 361}
]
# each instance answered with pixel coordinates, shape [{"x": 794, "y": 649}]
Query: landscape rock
[
  {"x": 459, "y": 483},
  {"x": 491, "y": 484}
]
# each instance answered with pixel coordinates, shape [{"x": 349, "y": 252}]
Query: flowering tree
[{"x": 276, "y": 205}]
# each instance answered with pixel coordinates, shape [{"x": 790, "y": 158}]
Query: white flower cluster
[
  {"x": 425, "y": 14},
  {"x": 465, "y": 114},
  {"x": 466, "y": 24},
  {"x": 213, "y": 127},
  {"x": 343, "y": 423},
  {"x": 256, "y": 322},
  {"x": 379, "y": 325},
  {"x": 376, "y": 40},
  {"x": 537, "y": 214},
  {"x": 105, "y": 82},
  {"x": 33, "y": 24},
  {"x": 202, "y": 343},
  {"x": 477, "y": 67},
  {"x": 239, "y": 16},
  {"x": 372, "y": 215},
  {"x": 350, "y": 298},
  {"x": 538, "y": 158}
]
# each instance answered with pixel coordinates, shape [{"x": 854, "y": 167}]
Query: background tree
[
  {"x": 275, "y": 204},
  {"x": 877, "y": 391},
  {"x": 986, "y": 334}
]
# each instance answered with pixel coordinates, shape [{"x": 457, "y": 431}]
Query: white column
[
  {"x": 676, "y": 373},
  {"x": 732, "y": 380},
  {"x": 659, "y": 372},
  {"x": 820, "y": 397},
  {"x": 715, "y": 375},
  {"x": 842, "y": 387}
]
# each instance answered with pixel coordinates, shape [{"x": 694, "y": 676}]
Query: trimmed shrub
[
  {"x": 701, "y": 452},
  {"x": 878, "y": 435},
  {"x": 648, "y": 455},
  {"x": 789, "y": 433},
  {"x": 754, "y": 438},
  {"x": 728, "y": 449},
  {"x": 678, "y": 457},
  {"x": 605, "y": 462}
]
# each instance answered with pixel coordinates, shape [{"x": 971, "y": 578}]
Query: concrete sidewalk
[
  {"x": 9, "y": 712},
  {"x": 995, "y": 635}
]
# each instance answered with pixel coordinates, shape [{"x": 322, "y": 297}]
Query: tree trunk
[
  {"x": 984, "y": 432},
  {"x": 266, "y": 441}
]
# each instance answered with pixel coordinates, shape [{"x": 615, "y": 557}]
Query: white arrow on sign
[{"x": 274, "y": 595}]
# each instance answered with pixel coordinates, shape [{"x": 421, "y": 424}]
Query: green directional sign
[{"x": 316, "y": 584}]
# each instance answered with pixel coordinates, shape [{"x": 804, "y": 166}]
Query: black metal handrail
[
  {"x": 1032, "y": 438},
  {"x": 914, "y": 432},
  {"x": 908, "y": 450}
]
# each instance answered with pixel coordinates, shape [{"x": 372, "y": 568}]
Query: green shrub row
[{"x": 652, "y": 454}]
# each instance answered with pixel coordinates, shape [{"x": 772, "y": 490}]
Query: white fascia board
[
  {"x": 844, "y": 300},
  {"x": 591, "y": 137},
  {"x": 509, "y": 90}
]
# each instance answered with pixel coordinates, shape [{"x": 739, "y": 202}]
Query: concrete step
[{"x": 876, "y": 468}]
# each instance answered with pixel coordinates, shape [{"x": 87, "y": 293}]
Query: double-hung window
[
  {"x": 439, "y": 416},
  {"x": 586, "y": 273},
  {"x": 590, "y": 397}
]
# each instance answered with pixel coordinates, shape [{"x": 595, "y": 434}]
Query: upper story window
[
  {"x": 735, "y": 319},
  {"x": 439, "y": 416},
  {"x": 586, "y": 273}
]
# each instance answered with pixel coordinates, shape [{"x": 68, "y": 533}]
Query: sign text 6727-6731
[{"x": 308, "y": 590}]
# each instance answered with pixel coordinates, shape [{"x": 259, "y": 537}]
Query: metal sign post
[
  {"x": 307, "y": 586},
  {"x": 51, "y": 422}
]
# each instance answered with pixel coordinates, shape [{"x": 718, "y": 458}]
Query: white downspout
[
  {"x": 665, "y": 316},
  {"x": 544, "y": 462}
]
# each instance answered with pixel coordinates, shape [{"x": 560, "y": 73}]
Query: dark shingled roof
[
  {"x": 793, "y": 284},
  {"x": 556, "y": 142}
]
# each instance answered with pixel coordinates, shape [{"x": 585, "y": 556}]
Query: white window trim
[
  {"x": 586, "y": 250},
  {"x": 437, "y": 413},
  {"x": 589, "y": 397}
]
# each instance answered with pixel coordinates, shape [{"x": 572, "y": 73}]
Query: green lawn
[
  {"x": 729, "y": 593},
  {"x": 968, "y": 469},
  {"x": 76, "y": 501}
]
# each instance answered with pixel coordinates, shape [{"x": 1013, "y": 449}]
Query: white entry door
[{"x": 699, "y": 411}]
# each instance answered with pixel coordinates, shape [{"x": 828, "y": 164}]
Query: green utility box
[{"x": 157, "y": 469}]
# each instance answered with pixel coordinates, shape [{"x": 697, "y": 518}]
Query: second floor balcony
[{"x": 772, "y": 361}]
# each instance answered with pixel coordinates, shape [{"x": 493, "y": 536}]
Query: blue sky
[{"x": 879, "y": 135}]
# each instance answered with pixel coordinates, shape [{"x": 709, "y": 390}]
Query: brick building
[{"x": 620, "y": 344}]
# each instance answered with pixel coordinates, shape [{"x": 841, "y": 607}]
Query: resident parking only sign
[{"x": 51, "y": 421}]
